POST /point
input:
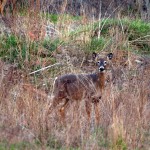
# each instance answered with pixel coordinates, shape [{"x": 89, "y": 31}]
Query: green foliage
[
  {"x": 51, "y": 45},
  {"x": 54, "y": 143},
  {"x": 133, "y": 30},
  {"x": 3, "y": 145},
  {"x": 70, "y": 17},
  {"x": 140, "y": 35},
  {"x": 14, "y": 49},
  {"x": 21, "y": 146},
  {"x": 120, "y": 144},
  {"x": 9, "y": 48},
  {"x": 25, "y": 53},
  {"x": 97, "y": 44},
  {"x": 137, "y": 32},
  {"x": 53, "y": 18},
  {"x": 139, "y": 28},
  {"x": 17, "y": 146},
  {"x": 102, "y": 140},
  {"x": 98, "y": 137}
]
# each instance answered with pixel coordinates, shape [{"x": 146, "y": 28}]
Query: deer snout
[{"x": 101, "y": 68}]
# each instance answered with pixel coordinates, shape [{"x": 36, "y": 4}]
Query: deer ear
[
  {"x": 110, "y": 56},
  {"x": 94, "y": 55}
]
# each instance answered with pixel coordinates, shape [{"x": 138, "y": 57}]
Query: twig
[{"x": 57, "y": 64}]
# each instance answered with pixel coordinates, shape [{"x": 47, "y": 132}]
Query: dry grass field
[{"x": 24, "y": 97}]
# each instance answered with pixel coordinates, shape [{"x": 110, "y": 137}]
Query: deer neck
[{"x": 101, "y": 78}]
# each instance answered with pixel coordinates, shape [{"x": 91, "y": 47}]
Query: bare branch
[{"x": 56, "y": 64}]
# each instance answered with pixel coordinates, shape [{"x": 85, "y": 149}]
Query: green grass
[
  {"x": 96, "y": 44},
  {"x": 51, "y": 45},
  {"x": 52, "y": 17},
  {"x": 53, "y": 143},
  {"x": 133, "y": 30},
  {"x": 10, "y": 49},
  {"x": 102, "y": 140},
  {"x": 16, "y": 50},
  {"x": 4, "y": 145},
  {"x": 137, "y": 33},
  {"x": 120, "y": 144},
  {"x": 138, "y": 27},
  {"x": 21, "y": 51},
  {"x": 55, "y": 17}
]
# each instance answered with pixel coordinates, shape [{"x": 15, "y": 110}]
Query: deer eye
[
  {"x": 105, "y": 63},
  {"x": 98, "y": 62}
]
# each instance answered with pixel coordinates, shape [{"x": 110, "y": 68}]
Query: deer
[{"x": 75, "y": 87}]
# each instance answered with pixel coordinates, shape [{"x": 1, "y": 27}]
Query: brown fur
[
  {"x": 72, "y": 87},
  {"x": 78, "y": 87},
  {"x": 102, "y": 81}
]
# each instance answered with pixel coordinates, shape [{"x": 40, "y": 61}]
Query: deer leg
[
  {"x": 52, "y": 105},
  {"x": 97, "y": 113},
  {"x": 62, "y": 109},
  {"x": 56, "y": 99},
  {"x": 88, "y": 109}
]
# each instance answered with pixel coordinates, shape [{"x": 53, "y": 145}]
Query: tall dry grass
[
  {"x": 124, "y": 113},
  {"x": 124, "y": 106}
]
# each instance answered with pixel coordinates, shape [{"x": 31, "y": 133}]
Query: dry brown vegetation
[
  {"x": 24, "y": 99},
  {"x": 124, "y": 117}
]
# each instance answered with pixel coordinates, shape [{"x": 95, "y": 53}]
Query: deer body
[{"x": 76, "y": 87}]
